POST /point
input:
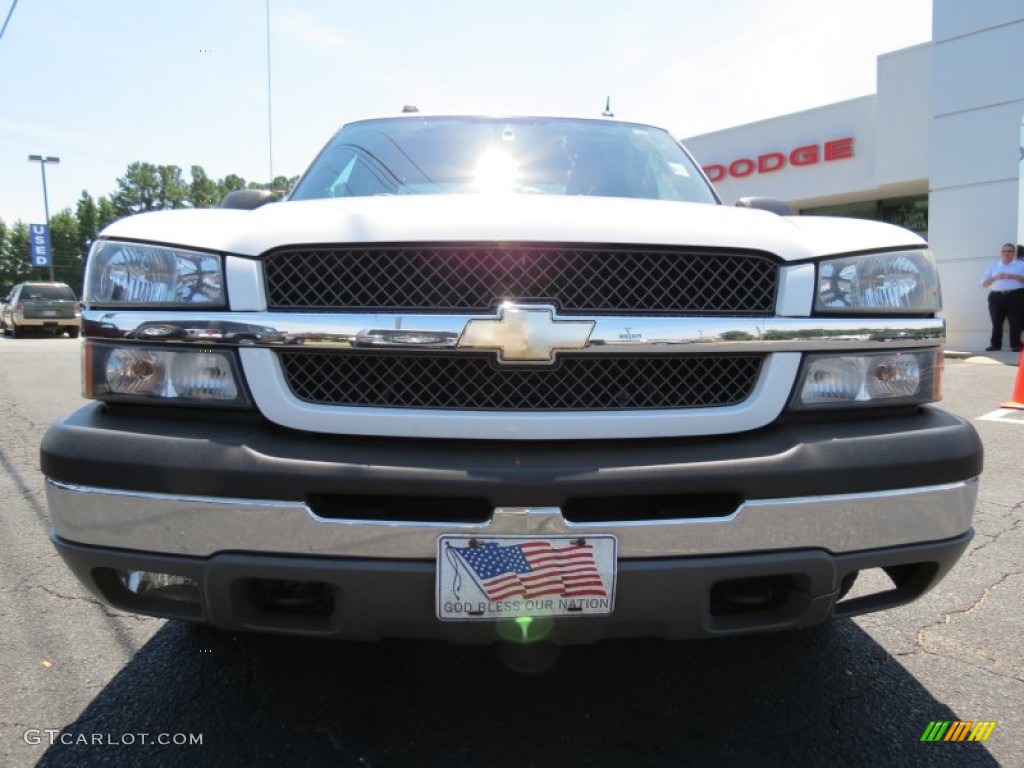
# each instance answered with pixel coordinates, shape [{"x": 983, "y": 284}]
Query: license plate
[
  {"x": 497, "y": 577},
  {"x": 49, "y": 313}
]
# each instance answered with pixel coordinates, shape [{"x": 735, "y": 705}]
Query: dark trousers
[{"x": 1006, "y": 307}]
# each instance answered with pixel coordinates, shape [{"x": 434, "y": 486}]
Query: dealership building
[{"x": 938, "y": 150}]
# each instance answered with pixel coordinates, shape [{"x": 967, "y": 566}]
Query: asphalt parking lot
[{"x": 84, "y": 685}]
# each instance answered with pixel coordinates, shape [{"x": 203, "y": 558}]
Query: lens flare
[{"x": 495, "y": 173}]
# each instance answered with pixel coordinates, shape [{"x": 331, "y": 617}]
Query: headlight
[
  {"x": 131, "y": 274},
  {"x": 145, "y": 373},
  {"x": 869, "y": 379},
  {"x": 906, "y": 282}
]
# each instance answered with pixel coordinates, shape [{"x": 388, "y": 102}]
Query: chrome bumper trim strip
[
  {"x": 614, "y": 335},
  {"x": 203, "y": 526}
]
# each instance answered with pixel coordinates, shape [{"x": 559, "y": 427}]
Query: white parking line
[{"x": 1004, "y": 415}]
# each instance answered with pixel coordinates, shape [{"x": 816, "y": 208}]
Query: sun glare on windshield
[{"x": 495, "y": 173}]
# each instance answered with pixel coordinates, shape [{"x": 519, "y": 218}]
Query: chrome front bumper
[{"x": 201, "y": 526}]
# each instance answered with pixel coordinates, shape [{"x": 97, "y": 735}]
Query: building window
[{"x": 908, "y": 212}]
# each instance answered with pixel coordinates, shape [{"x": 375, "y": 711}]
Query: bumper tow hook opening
[
  {"x": 297, "y": 598},
  {"x": 751, "y": 595}
]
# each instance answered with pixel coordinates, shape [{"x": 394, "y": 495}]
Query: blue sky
[{"x": 103, "y": 83}]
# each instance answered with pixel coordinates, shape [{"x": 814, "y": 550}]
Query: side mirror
[
  {"x": 247, "y": 199},
  {"x": 771, "y": 204}
]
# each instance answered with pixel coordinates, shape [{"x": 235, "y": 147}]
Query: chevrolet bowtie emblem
[{"x": 526, "y": 334}]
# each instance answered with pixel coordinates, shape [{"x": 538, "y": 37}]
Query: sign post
[{"x": 46, "y": 209}]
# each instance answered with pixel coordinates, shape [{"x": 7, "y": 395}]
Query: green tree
[
  {"x": 203, "y": 192},
  {"x": 138, "y": 190},
  {"x": 147, "y": 187},
  {"x": 106, "y": 213},
  {"x": 88, "y": 217},
  {"x": 5, "y": 236},
  {"x": 230, "y": 183},
  {"x": 173, "y": 191},
  {"x": 14, "y": 263},
  {"x": 68, "y": 255}
]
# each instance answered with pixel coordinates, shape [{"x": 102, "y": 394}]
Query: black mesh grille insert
[
  {"x": 477, "y": 277},
  {"x": 467, "y": 381}
]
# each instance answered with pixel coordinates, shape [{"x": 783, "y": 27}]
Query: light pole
[
  {"x": 270, "y": 110},
  {"x": 46, "y": 203}
]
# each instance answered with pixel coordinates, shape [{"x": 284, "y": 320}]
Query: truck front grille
[
  {"x": 476, "y": 278},
  {"x": 477, "y": 382}
]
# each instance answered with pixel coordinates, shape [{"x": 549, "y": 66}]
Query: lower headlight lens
[
  {"x": 871, "y": 379},
  {"x": 203, "y": 376},
  {"x": 192, "y": 376}
]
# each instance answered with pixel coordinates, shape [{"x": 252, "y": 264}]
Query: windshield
[{"x": 451, "y": 155}]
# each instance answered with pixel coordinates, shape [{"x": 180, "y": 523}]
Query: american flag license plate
[{"x": 497, "y": 577}]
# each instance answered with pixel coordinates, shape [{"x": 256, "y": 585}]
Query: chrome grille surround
[{"x": 468, "y": 277}]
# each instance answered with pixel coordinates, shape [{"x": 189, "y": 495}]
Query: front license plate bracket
[{"x": 486, "y": 578}]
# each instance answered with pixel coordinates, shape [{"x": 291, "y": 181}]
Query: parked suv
[
  {"x": 44, "y": 307},
  {"x": 513, "y": 378}
]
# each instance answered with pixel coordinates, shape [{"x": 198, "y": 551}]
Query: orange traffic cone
[{"x": 1018, "y": 388}]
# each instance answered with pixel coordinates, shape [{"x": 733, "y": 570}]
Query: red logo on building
[{"x": 769, "y": 162}]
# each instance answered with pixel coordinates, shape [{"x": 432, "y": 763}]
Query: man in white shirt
[{"x": 1005, "y": 281}]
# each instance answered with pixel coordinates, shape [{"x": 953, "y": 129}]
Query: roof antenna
[{"x": 608, "y": 108}]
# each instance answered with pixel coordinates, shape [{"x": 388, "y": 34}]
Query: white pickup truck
[{"x": 485, "y": 378}]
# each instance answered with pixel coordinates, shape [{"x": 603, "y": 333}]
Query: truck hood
[{"x": 510, "y": 218}]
